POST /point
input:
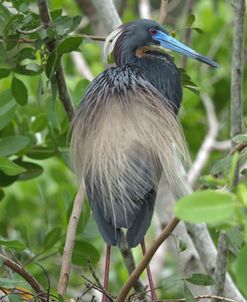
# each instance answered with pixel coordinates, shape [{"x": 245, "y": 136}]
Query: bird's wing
[{"x": 124, "y": 135}]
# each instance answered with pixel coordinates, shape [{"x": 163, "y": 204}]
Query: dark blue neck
[{"x": 162, "y": 73}]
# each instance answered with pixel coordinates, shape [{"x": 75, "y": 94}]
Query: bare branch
[
  {"x": 107, "y": 13},
  {"x": 222, "y": 145},
  {"x": 145, "y": 260},
  {"x": 187, "y": 33},
  {"x": 209, "y": 141},
  {"x": 221, "y": 265},
  {"x": 20, "y": 270},
  {"x": 69, "y": 242},
  {"x": 81, "y": 65},
  {"x": 237, "y": 68},
  {"x": 163, "y": 11},
  {"x": 145, "y": 9},
  {"x": 60, "y": 79},
  {"x": 207, "y": 252}
]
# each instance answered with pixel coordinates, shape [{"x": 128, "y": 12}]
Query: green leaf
[
  {"x": 83, "y": 251},
  {"x": 191, "y": 19},
  {"x": 222, "y": 165},
  {"x": 241, "y": 269},
  {"x": 29, "y": 69},
  {"x": 188, "y": 294},
  {"x": 32, "y": 170},
  {"x": 2, "y": 194},
  {"x": 235, "y": 239},
  {"x": 19, "y": 91},
  {"x": 13, "y": 245},
  {"x": 198, "y": 30},
  {"x": 69, "y": 44},
  {"x": 9, "y": 167},
  {"x": 41, "y": 152},
  {"x": 9, "y": 283},
  {"x": 51, "y": 64},
  {"x": 241, "y": 138},
  {"x": 13, "y": 144},
  {"x": 201, "y": 279},
  {"x": 52, "y": 238},
  {"x": 4, "y": 73},
  {"x": 206, "y": 206},
  {"x": 242, "y": 194},
  {"x": 7, "y": 108},
  {"x": 40, "y": 123}
]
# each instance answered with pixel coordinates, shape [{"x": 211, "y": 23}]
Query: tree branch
[
  {"x": 145, "y": 9},
  {"x": 60, "y": 79},
  {"x": 20, "y": 270},
  {"x": 221, "y": 265},
  {"x": 163, "y": 11},
  {"x": 107, "y": 13},
  {"x": 207, "y": 252},
  {"x": 208, "y": 143},
  {"x": 237, "y": 68},
  {"x": 145, "y": 260},
  {"x": 69, "y": 242}
]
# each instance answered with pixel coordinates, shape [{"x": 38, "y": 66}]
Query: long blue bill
[{"x": 169, "y": 42}]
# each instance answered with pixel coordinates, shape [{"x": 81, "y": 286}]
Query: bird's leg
[
  {"x": 106, "y": 274},
  {"x": 150, "y": 278}
]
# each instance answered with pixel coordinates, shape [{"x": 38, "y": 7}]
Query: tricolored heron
[{"x": 126, "y": 134}]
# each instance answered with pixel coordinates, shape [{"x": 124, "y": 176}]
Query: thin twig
[
  {"x": 51, "y": 45},
  {"x": 20, "y": 270},
  {"x": 145, "y": 260},
  {"x": 69, "y": 242},
  {"x": 94, "y": 275},
  {"x": 28, "y": 32},
  {"x": 163, "y": 11}
]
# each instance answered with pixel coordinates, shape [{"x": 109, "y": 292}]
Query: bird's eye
[{"x": 153, "y": 31}]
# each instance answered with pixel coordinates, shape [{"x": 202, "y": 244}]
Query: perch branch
[
  {"x": 69, "y": 242},
  {"x": 146, "y": 259}
]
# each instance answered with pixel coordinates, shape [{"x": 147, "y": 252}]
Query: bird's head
[{"x": 132, "y": 40}]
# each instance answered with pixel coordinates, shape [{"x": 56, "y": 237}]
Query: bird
[{"x": 126, "y": 134}]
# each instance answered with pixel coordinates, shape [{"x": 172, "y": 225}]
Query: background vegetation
[{"x": 37, "y": 186}]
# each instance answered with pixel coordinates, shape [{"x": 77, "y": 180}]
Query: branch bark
[
  {"x": 207, "y": 252},
  {"x": 208, "y": 143},
  {"x": 107, "y": 13},
  {"x": 163, "y": 11},
  {"x": 237, "y": 68},
  {"x": 221, "y": 265},
  {"x": 20, "y": 270},
  {"x": 145, "y": 260},
  {"x": 60, "y": 79},
  {"x": 69, "y": 242}
]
